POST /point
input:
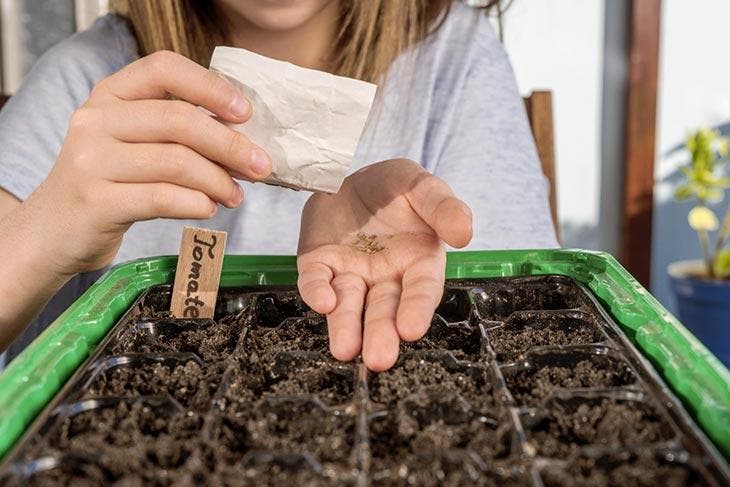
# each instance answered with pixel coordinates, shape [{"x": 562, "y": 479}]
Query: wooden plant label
[{"x": 198, "y": 273}]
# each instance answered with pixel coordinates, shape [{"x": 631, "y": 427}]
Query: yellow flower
[{"x": 702, "y": 218}]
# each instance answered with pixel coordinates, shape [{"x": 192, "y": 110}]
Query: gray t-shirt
[{"x": 451, "y": 104}]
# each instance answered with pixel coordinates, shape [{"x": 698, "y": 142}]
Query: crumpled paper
[{"x": 308, "y": 121}]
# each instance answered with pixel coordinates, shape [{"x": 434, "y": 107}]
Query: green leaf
[
  {"x": 703, "y": 181},
  {"x": 723, "y": 182},
  {"x": 683, "y": 193}
]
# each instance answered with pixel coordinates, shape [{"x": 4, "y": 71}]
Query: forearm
[{"x": 30, "y": 273}]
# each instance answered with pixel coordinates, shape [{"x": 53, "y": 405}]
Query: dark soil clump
[
  {"x": 288, "y": 427},
  {"x": 431, "y": 425},
  {"x": 209, "y": 340},
  {"x": 444, "y": 470},
  {"x": 622, "y": 469},
  {"x": 498, "y": 302},
  {"x": 278, "y": 475},
  {"x": 463, "y": 341},
  {"x": 515, "y": 338},
  {"x": 127, "y": 441},
  {"x": 602, "y": 422},
  {"x": 530, "y": 387},
  {"x": 191, "y": 384},
  {"x": 455, "y": 307},
  {"x": 272, "y": 309},
  {"x": 332, "y": 384},
  {"x": 306, "y": 334},
  {"x": 294, "y": 359},
  {"x": 416, "y": 375}
]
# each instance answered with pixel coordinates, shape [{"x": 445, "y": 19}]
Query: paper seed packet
[{"x": 308, "y": 121}]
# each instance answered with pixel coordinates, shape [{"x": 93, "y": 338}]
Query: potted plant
[{"x": 702, "y": 287}]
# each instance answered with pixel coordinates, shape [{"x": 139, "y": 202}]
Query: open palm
[{"x": 378, "y": 246}]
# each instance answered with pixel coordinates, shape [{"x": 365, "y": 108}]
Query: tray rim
[{"x": 696, "y": 376}]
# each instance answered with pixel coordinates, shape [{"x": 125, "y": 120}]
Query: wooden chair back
[{"x": 539, "y": 106}]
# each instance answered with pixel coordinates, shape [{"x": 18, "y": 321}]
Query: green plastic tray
[{"x": 695, "y": 375}]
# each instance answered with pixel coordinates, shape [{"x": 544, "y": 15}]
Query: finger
[
  {"x": 145, "y": 201},
  {"x": 380, "y": 337},
  {"x": 423, "y": 286},
  {"x": 345, "y": 321},
  {"x": 315, "y": 288},
  {"x": 180, "y": 122},
  {"x": 166, "y": 73},
  {"x": 436, "y": 204},
  {"x": 177, "y": 164}
]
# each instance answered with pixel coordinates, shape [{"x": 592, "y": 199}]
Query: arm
[{"x": 30, "y": 281}]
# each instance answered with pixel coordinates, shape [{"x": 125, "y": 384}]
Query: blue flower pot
[{"x": 704, "y": 306}]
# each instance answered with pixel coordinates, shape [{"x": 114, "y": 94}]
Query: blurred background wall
[
  {"x": 694, "y": 91},
  {"x": 577, "y": 49}
]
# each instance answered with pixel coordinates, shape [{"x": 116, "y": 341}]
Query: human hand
[
  {"x": 377, "y": 245},
  {"x": 131, "y": 153}
]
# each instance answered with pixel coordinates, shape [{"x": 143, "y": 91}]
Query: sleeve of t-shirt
[
  {"x": 34, "y": 121},
  {"x": 488, "y": 154}
]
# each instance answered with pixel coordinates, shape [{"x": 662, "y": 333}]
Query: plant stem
[
  {"x": 724, "y": 232},
  {"x": 705, "y": 244}
]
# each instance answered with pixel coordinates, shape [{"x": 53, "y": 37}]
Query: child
[{"x": 95, "y": 149}]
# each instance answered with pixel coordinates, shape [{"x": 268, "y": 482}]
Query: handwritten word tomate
[
  {"x": 198, "y": 273},
  {"x": 193, "y": 303}
]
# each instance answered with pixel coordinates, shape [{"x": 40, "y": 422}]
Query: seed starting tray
[{"x": 519, "y": 381}]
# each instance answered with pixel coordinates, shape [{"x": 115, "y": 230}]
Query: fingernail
[
  {"x": 240, "y": 106},
  {"x": 213, "y": 208},
  {"x": 237, "y": 197},
  {"x": 260, "y": 162}
]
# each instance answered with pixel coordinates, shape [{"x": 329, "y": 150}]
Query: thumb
[{"x": 432, "y": 199}]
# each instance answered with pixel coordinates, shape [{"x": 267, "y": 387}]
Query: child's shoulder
[
  {"x": 102, "y": 49},
  {"x": 465, "y": 26},
  {"x": 463, "y": 45},
  {"x": 463, "y": 41}
]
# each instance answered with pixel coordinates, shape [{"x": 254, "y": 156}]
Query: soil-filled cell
[
  {"x": 455, "y": 306},
  {"x": 278, "y": 475},
  {"x": 127, "y": 442},
  {"x": 433, "y": 424},
  {"x": 156, "y": 302},
  {"x": 189, "y": 383},
  {"x": 498, "y": 300},
  {"x": 285, "y": 426},
  {"x": 641, "y": 468},
  {"x": 291, "y": 374},
  {"x": 308, "y": 334},
  {"x": 463, "y": 341},
  {"x": 527, "y": 330},
  {"x": 210, "y": 340},
  {"x": 67, "y": 472},
  {"x": 271, "y": 309},
  {"x": 418, "y": 374},
  {"x": 530, "y": 385},
  {"x": 571, "y": 424},
  {"x": 454, "y": 468}
]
